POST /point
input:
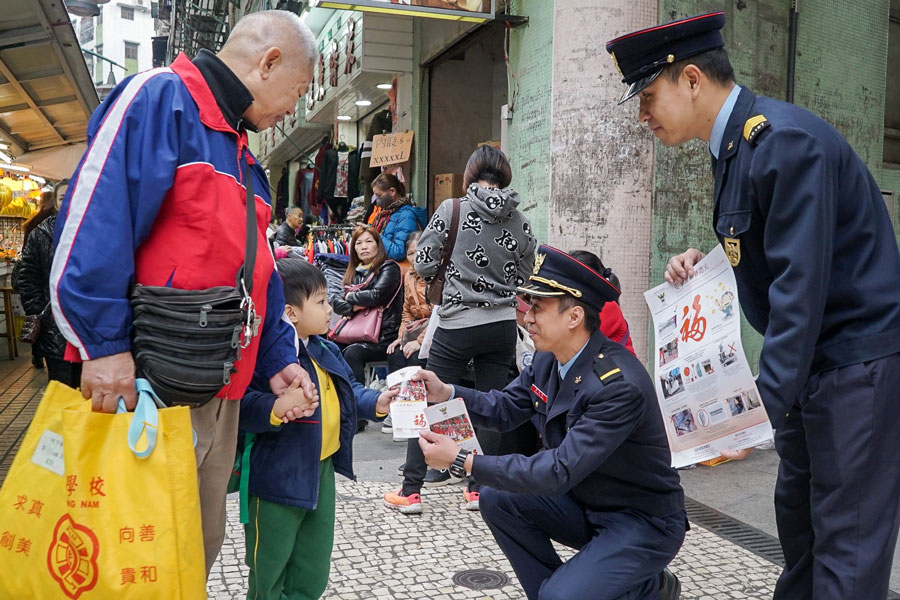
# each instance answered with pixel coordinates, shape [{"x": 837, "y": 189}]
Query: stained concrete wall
[
  {"x": 531, "y": 60},
  {"x": 601, "y": 158}
]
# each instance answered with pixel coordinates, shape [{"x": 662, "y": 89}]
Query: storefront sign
[
  {"x": 391, "y": 148},
  {"x": 474, "y": 11}
]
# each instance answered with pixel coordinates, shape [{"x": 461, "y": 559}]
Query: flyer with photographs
[
  {"x": 706, "y": 392},
  {"x": 452, "y": 419},
  {"x": 408, "y": 407}
]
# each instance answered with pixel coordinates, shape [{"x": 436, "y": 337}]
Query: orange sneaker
[
  {"x": 408, "y": 505},
  {"x": 471, "y": 499}
]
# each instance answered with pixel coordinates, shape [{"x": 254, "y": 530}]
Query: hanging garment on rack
[
  {"x": 281, "y": 195},
  {"x": 316, "y": 201},
  {"x": 342, "y": 174},
  {"x": 304, "y": 184}
]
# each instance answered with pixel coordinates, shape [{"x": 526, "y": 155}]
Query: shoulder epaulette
[
  {"x": 755, "y": 126},
  {"x": 606, "y": 369}
]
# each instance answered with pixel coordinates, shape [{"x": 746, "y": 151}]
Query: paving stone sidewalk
[{"x": 381, "y": 554}]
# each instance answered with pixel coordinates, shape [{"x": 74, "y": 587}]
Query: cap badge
[
  {"x": 670, "y": 58},
  {"x": 538, "y": 261}
]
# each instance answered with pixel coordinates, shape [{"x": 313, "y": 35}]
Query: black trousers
[
  {"x": 838, "y": 490},
  {"x": 357, "y": 355},
  {"x": 493, "y": 349},
  {"x": 64, "y": 371}
]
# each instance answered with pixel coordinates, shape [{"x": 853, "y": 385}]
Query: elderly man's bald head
[
  {"x": 272, "y": 52},
  {"x": 259, "y": 31}
]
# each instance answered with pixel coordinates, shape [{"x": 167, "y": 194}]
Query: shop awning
[{"x": 46, "y": 92}]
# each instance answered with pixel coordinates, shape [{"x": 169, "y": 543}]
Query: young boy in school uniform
[{"x": 290, "y": 531}]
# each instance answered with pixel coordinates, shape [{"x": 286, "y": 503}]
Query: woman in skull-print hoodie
[{"x": 494, "y": 252}]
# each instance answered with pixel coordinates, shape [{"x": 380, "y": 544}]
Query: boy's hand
[
  {"x": 294, "y": 404},
  {"x": 393, "y": 346},
  {"x": 383, "y": 405},
  {"x": 437, "y": 390}
]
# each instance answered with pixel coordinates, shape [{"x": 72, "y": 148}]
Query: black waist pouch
[{"x": 186, "y": 342}]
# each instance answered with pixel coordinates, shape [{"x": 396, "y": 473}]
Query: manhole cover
[{"x": 480, "y": 579}]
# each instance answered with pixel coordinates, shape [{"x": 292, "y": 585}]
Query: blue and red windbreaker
[{"x": 158, "y": 199}]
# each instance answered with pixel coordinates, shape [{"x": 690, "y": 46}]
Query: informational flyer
[
  {"x": 706, "y": 392},
  {"x": 408, "y": 406},
  {"x": 451, "y": 418}
]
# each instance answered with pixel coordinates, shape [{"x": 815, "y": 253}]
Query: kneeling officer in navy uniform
[{"x": 603, "y": 483}]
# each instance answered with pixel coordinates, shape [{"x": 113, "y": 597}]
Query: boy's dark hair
[
  {"x": 301, "y": 280},
  {"x": 713, "y": 63}
]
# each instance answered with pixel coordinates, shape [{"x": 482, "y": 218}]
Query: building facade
[{"x": 121, "y": 33}]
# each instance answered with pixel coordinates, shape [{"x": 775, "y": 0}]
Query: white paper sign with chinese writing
[
  {"x": 706, "y": 392},
  {"x": 408, "y": 407}
]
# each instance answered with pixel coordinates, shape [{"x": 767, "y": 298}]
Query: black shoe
[
  {"x": 37, "y": 362},
  {"x": 361, "y": 425},
  {"x": 400, "y": 469},
  {"x": 669, "y": 586},
  {"x": 436, "y": 478}
]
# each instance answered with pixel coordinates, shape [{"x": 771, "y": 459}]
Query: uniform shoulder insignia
[
  {"x": 606, "y": 369},
  {"x": 755, "y": 126}
]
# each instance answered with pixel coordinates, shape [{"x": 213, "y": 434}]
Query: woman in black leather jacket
[
  {"x": 34, "y": 288},
  {"x": 369, "y": 263}
]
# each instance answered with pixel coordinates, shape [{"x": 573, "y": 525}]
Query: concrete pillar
[{"x": 601, "y": 159}]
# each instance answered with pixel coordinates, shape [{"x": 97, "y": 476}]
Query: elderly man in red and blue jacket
[{"x": 158, "y": 199}]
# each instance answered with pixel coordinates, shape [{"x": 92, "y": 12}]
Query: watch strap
[{"x": 457, "y": 468}]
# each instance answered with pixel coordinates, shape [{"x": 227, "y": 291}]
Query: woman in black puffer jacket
[
  {"x": 34, "y": 288},
  {"x": 369, "y": 258}
]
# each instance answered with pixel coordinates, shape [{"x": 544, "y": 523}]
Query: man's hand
[
  {"x": 106, "y": 379},
  {"x": 410, "y": 348},
  {"x": 383, "y": 405},
  {"x": 682, "y": 266},
  {"x": 393, "y": 346},
  {"x": 440, "y": 450},
  {"x": 294, "y": 404},
  {"x": 281, "y": 381},
  {"x": 736, "y": 454},
  {"x": 436, "y": 390}
]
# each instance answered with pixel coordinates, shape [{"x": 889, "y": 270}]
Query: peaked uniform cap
[
  {"x": 558, "y": 274},
  {"x": 642, "y": 55}
]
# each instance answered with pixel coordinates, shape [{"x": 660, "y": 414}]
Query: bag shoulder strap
[
  {"x": 447, "y": 249},
  {"x": 245, "y": 273}
]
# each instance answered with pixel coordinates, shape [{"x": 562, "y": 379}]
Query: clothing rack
[{"x": 328, "y": 239}]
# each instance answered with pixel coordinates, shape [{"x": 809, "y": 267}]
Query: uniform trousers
[
  {"x": 838, "y": 489},
  {"x": 620, "y": 554}
]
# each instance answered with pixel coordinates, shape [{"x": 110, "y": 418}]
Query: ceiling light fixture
[
  {"x": 5, "y": 157},
  {"x": 37, "y": 178},
  {"x": 344, "y": 118},
  {"x": 384, "y": 86},
  {"x": 363, "y": 102}
]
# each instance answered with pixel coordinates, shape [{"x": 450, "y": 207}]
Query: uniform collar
[
  {"x": 564, "y": 368},
  {"x": 718, "y": 129}
]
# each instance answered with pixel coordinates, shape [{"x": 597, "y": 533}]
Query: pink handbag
[{"x": 363, "y": 325}]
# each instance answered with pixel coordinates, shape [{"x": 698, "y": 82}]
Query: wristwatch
[{"x": 456, "y": 468}]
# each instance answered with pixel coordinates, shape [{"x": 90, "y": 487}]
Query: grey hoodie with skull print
[{"x": 494, "y": 253}]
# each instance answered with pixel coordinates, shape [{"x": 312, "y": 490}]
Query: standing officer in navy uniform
[
  {"x": 818, "y": 272},
  {"x": 603, "y": 484}
]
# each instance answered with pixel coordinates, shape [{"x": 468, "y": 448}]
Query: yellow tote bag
[{"x": 102, "y": 505}]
